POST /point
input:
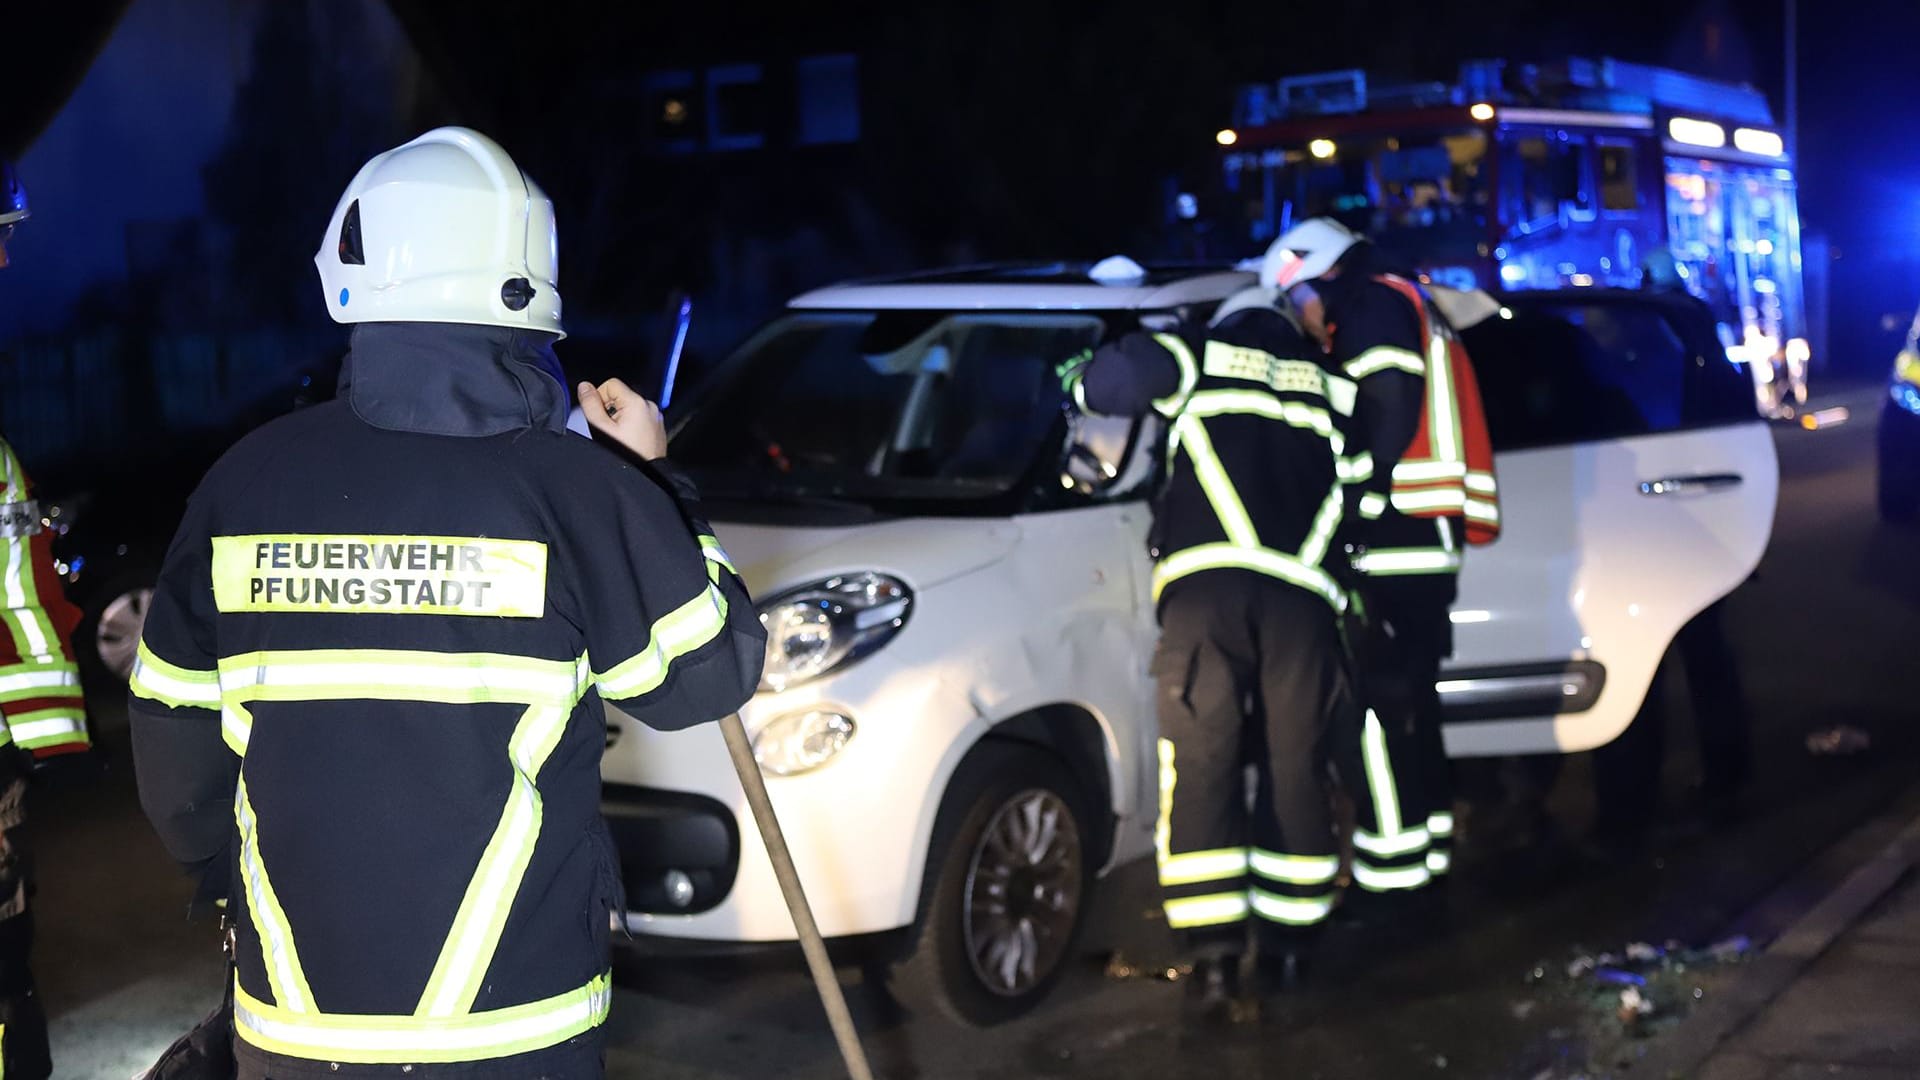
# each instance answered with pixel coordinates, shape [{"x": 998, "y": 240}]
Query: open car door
[{"x": 1637, "y": 487}]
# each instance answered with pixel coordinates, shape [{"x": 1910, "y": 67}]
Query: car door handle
[{"x": 1697, "y": 484}]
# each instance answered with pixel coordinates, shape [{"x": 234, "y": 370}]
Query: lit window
[
  {"x": 671, "y": 111},
  {"x": 827, "y": 100}
]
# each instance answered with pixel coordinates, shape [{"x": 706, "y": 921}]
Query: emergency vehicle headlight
[
  {"x": 1756, "y": 141},
  {"x": 816, "y": 629},
  {"x": 801, "y": 742},
  {"x": 1685, "y": 129}
]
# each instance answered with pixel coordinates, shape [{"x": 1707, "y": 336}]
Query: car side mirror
[
  {"x": 1084, "y": 471},
  {"x": 1096, "y": 447}
]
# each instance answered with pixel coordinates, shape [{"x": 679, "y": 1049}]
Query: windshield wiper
[{"x": 773, "y": 496}]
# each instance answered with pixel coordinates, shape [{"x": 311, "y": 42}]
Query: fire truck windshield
[{"x": 1420, "y": 195}]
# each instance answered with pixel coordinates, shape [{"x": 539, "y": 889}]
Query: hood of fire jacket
[{"x": 454, "y": 379}]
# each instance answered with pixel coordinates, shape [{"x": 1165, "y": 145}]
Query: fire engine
[{"x": 1573, "y": 174}]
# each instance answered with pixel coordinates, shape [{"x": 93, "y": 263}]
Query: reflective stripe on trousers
[
  {"x": 1236, "y": 898},
  {"x": 1391, "y": 856},
  {"x": 1221, "y": 861}
]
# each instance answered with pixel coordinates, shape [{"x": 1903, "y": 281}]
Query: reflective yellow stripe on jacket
[
  {"x": 392, "y": 1040},
  {"x": 34, "y": 662},
  {"x": 443, "y": 1027},
  {"x": 1243, "y": 549},
  {"x": 1189, "y": 374}
]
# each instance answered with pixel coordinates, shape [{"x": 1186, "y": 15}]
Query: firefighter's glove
[
  {"x": 1070, "y": 369},
  {"x": 67, "y": 770}
]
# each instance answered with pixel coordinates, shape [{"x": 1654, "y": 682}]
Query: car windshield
[
  {"x": 1420, "y": 196},
  {"x": 881, "y": 407}
]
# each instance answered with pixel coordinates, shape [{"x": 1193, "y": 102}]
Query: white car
[{"x": 956, "y": 718}]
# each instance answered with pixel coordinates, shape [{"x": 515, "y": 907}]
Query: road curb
[{"x": 1683, "y": 1053}]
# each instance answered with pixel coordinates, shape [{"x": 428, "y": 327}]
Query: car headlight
[
  {"x": 815, "y": 629},
  {"x": 1906, "y": 367},
  {"x": 801, "y": 742}
]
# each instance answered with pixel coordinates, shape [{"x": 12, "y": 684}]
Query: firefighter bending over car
[
  {"x": 367, "y": 705},
  {"x": 1243, "y": 533}
]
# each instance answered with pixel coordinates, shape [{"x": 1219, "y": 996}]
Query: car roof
[
  {"x": 1595, "y": 294},
  {"x": 1050, "y": 286},
  {"x": 1675, "y": 304}
]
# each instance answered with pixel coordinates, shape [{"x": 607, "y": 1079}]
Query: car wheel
[
  {"x": 114, "y": 630},
  {"x": 1899, "y": 493},
  {"x": 1007, "y": 879},
  {"x": 1898, "y": 470}
]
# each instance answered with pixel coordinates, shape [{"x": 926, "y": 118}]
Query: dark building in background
[
  {"x": 741, "y": 155},
  {"x": 740, "y": 181}
]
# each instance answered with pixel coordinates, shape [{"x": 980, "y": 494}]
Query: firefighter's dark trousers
[
  {"x": 1397, "y": 768},
  {"x": 1230, "y": 640},
  {"x": 23, "y": 1025}
]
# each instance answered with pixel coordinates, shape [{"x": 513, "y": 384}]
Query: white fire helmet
[
  {"x": 444, "y": 229},
  {"x": 1306, "y": 252}
]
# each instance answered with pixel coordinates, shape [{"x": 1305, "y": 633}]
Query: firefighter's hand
[
  {"x": 616, "y": 412},
  {"x": 68, "y": 770}
]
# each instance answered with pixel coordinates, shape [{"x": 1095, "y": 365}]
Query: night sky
[{"x": 990, "y": 129}]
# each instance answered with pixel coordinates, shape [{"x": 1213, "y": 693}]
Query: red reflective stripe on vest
[
  {"x": 1452, "y": 399},
  {"x": 1482, "y": 528}
]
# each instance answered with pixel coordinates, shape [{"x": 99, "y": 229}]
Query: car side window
[
  {"x": 1619, "y": 183},
  {"x": 1566, "y": 371},
  {"x": 1545, "y": 175}
]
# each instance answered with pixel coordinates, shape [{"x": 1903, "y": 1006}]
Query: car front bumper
[{"x": 679, "y": 853}]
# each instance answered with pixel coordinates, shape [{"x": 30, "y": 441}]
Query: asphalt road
[{"x": 1824, "y": 635}]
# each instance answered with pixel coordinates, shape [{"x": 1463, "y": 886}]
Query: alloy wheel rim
[{"x": 1023, "y": 892}]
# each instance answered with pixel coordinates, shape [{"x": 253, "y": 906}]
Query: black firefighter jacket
[{"x": 367, "y": 704}]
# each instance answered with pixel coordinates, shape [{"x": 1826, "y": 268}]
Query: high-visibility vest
[
  {"x": 1447, "y": 470},
  {"x": 41, "y": 707}
]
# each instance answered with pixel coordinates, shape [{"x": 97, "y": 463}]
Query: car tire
[
  {"x": 109, "y": 635},
  {"x": 1897, "y": 479},
  {"x": 1004, "y": 896}
]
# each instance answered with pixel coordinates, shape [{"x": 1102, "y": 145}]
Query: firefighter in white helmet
[
  {"x": 1425, "y": 491},
  {"x": 42, "y": 714},
  {"x": 380, "y": 642}
]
